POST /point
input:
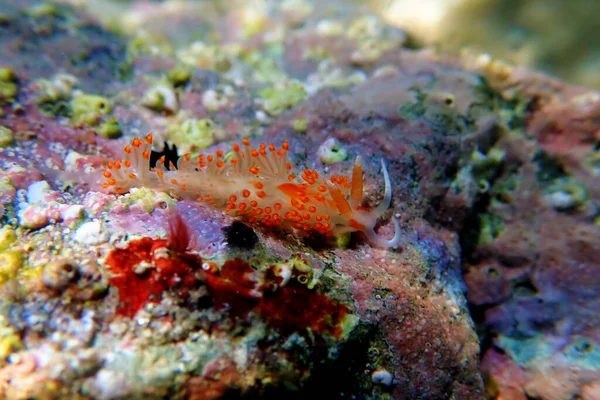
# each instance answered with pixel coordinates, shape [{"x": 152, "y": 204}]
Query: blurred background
[
  {"x": 559, "y": 37},
  {"x": 556, "y": 36}
]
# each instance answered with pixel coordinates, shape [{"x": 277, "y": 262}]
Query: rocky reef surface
[{"x": 493, "y": 290}]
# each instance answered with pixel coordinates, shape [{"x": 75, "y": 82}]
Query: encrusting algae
[{"x": 259, "y": 186}]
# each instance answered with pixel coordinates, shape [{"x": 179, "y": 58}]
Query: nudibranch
[{"x": 259, "y": 186}]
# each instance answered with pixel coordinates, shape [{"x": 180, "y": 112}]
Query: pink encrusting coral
[{"x": 259, "y": 186}]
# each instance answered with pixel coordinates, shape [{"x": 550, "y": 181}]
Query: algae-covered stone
[
  {"x": 276, "y": 100},
  {"x": 149, "y": 200},
  {"x": 300, "y": 124},
  {"x": 491, "y": 226},
  {"x": 42, "y": 10},
  {"x": 330, "y": 27},
  {"x": 109, "y": 129},
  {"x": 593, "y": 163},
  {"x": 10, "y": 341},
  {"x": 88, "y": 108},
  {"x": 194, "y": 134},
  {"x": 481, "y": 169},
  {"x": 373, "y": 37},
  {"x": 10, "y": 263},
  {"x": 8, "y": 345},
  {"x": 7, "y": 75},
  {"x": 7, "y": 237},
  {"x": 180, "y": 75},
  {"x": 304, "y": 272},
  {"x": 8, "y": 86},
  {"x": 161, "y": 98},
  {"x": 6, "y": 186},
  {"x": 214, "y": 100},
  {"x": 486, "y": 165},
  {"x": 567, "y": 194},
  {"x": 254, "y": 19},
  {"x": 332, "y": 151},
  {"x": 343, "y": 241},
  {"x": 264, "y": 69},
  {"x": 200, "y": 54},
  {"x": 53, "y": 95},
  {"x": 296, "y": 11},
  {"x": 329, "y": 74},
  {"x": 6, "y": 136}
]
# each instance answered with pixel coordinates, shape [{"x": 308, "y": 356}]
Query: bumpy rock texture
[
  {"x": 494, "y": 173},
  {"x": 532, "y": 270}
]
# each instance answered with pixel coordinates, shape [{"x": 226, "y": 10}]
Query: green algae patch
[
  {"x": 193, "y": 134},
  {"x": 304, "y": 272},
  {"x": 480, "y": 171},
  {"x": 6, "y": 186},
  {"x": 9, "y": 344},
  {"x": 218, "y": 99},
  {"x": 7, "y": 136},
  {"x": 332, "y": 151},
  {"x": 264, "y": 69},
  {"x": 7, "y": 75},
  {"x": 343, "y": 241},
  {"x": 254, "y": 20},
  {"x": 567, "y": 194},
  {"x": 53, "y": 95},
  {"x": 43, "y": 10},
  {"x": 413, "y": 110},
  {"x": 593, "y": 163},
  {"x": 490, "y": 227},
  {"x": 300, "y": 125},
  {"x": 11, "y": 261},
  {"x": 179, "y": 75},
  {"x": 148, "y": 200},
  {"x": 207, "y": 56},
  {"x": 88, "y": 109},
  {"x": 109, "y": 129},
  {"x": 347, "y": 325},
  {"x": 7, "y": 237},
  {"x": 8, "y": 86},
  {"x": 485, "y": 166},
  {"x": 10, "y": 341},
  {"x": 161, "y": 98},
  {"x": 276, "y": 100}
]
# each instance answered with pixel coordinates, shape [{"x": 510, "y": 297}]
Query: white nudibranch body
[{"x": 259, "y": 186}]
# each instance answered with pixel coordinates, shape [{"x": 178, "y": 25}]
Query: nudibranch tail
[
  {"x": 259, "y": 186},
  {"x": 384, "y": 243},
  {"x": 366, "y": 220},
  {"x": 382, "y": 207}
]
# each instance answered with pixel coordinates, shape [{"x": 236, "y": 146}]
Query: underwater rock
[{"x": 155, "y": 295}]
